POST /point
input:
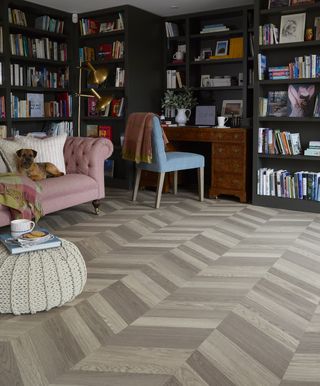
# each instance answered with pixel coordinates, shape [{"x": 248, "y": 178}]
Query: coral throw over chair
[{"x": 163, "y": 162}]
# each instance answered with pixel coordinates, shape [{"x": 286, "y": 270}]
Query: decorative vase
[{"x": 182, "y": 116}]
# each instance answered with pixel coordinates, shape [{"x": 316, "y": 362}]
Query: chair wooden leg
[
  {"x": 201, "y": 183},
  {"x": 159, "y": 189},
  {"x": 175, "y": 182},
  {"x": 136, "y": 184}
]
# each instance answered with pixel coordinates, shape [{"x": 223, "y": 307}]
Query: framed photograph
[
  {"x": 277, "y": 105},
  {"x": 205, "y": 81},
  {"x": 299, "y": 2},
  {"x": 278, "y": 3},
  {"x": 232, "y": 108},
  {"x": 301, "y": 99},
  {"x": 205, "y": 53},
  {"x": 292, "y": 28},
  {"x": 222, "y": 47}
]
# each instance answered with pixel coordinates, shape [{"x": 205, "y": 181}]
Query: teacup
[
  {"x": 222, "y": 121},
  {"x": 178, "y": 55},
  {"x": 21, "y": 226}
]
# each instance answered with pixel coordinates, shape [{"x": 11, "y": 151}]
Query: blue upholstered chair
[{"x": 168, "y": 162}]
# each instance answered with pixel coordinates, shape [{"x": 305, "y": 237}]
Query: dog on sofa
[{"x": 35, "y": 170}]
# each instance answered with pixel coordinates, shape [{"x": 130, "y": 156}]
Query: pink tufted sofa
[{"x": 83, "y": 182}]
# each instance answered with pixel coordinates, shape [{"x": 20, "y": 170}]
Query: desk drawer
[
  {"x": 224, "y": 136},
  {"x": 228, "y": 151},
  {"x": 229, "y": 166},
  {"x": 228, "y": 181}
]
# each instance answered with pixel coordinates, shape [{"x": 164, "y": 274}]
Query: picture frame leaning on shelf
[
  {"x": 222, "y": 47},
  {"x": 232, "y": 108},
  {"x": 292, "y": 28}
]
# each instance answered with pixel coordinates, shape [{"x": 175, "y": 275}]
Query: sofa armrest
[{"x": 85, "y": 155}]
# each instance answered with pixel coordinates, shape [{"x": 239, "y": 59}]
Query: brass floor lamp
[{"x": 96, "y": 77}]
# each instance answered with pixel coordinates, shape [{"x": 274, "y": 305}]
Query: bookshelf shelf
[
  {"x": 39, "y": 89},
  {"x": 289, "y": 157},
  {"x": 304, "y": 44},
  {"x": 237, "y": 32},
  {"x": 289, "y": 81},
  {"x": 178, "y": 38},
  {"x": 30, "y": 119},
  {"x": 96, "y": 119},
  {"x": 30, "y": 31},
  {"x": 292, "y": 9},
  {"x": 290, "y": 119},
  {"x": 216, "y": 61},
  {"x": 18, "y": 58},
  {"x": 102, "y": 35}
]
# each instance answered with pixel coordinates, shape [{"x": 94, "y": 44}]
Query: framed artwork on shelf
[
  {"x": 301, "y": 100},
  {"x": 205, "y": 81},
  {"x": 292, "y": 28},
  {"x": 222, "y": 47},
  {"x": 278, "y": 3},
  {"x": 232, "y": 108}
]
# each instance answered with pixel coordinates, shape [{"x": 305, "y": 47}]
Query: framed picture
[
  {"x": 301, "y": 99},
  {"x": 292, "y": 28},
  {"x": 205, "y": 81},
  {"x": 299, "y": 2},
  {"x": 232, "y": 108},
  {"x": 205, "y": 53},
  {"x": 222, "y": 47},
  {"x": 278, "y": 3}
]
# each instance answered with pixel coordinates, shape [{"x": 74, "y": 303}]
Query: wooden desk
[{"x": 229, "y": 157}]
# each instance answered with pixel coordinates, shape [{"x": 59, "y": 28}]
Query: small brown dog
[{"x": 36, "y": 171}]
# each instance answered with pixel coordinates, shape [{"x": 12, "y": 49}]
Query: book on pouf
[{"x": 14, "y": 248}]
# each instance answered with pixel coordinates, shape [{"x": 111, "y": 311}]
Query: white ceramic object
[{"x": 182, "y": 116}]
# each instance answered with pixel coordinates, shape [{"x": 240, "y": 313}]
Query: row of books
[
  {"x": 111, "y": 51},
  {"x": 43, "y": 48},
  {"x": 299, "y": 101},
  {"x": 119, "y": 79},
  {"x": 50, "y": 24},
  {"x": 278, "y": 142},
  {"x": 91, "y": 26},
  {"x": 172, "y": 29},
  {"x": 104, "y": 131},
  {"x": 313, "y": 149},
  {"x": 1, "y": 39},
  {"x": 3, "y": 131},
  {"x": 16, "y": 16},
  {"x": 42, "y": 77},
  {"x": 114, "y": 109},
  {"x": 34, "y": 106},
  {"x": 1, "y": 75},
  {"x": 268, "y": 34},
  {"x": 209, "y": 28},
  {"x": 87, "y": 54},
  {"x": 174, "y": 79},
  {"x": 59, "y": 128},
  {"x": 2, "y": 107},
  {"x": 302, "y": 185}
]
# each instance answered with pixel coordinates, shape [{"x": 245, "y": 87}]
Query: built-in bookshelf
[
  {"x": 36, "y": 70},
  {"x": 286, "y": 111},
  {"x": 212, "y": 54},
  {"x": 126, "y": 41}
]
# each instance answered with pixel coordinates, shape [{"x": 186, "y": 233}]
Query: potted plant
[{"x": 181, "y": 100}]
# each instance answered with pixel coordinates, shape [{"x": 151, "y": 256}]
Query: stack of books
[
  {"x": 225, "y": 81},
  {"x": 268, "y": 34},
  {"x": 302, "y": 185},
  {"x": 209, "y": 28},
  {"x": 277, "y": 142},
  {"x": 313, "y": 149},
  {"x": 16, "y": 246},
  {"x": 279, "y": 72}
]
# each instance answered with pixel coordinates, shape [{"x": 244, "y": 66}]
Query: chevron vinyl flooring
[{"x": 193, "y": 294}]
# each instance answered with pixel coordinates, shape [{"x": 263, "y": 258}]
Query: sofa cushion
[{"x": 49, "y": 149}]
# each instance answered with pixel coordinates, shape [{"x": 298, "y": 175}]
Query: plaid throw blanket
[{"x": 19, "y": 193}]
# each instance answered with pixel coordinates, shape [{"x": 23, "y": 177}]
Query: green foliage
[{"x": 180, "y": 99}]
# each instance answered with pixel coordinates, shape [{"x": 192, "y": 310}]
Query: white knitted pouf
[{"x": 40, "y": 280}]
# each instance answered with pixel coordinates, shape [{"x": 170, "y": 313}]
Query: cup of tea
[
  {"x": 21, "y": 226},
  {"x": 178, "y": 55},
  {"x": 222, "y": 121}
]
